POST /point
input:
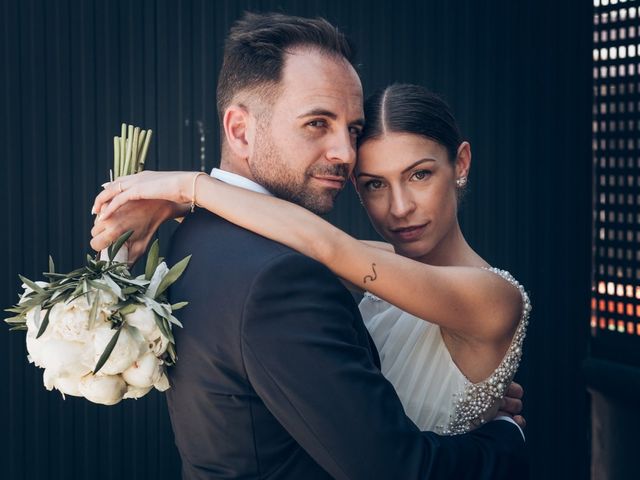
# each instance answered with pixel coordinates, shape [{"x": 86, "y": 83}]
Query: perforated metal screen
[{"x": 615, "y": 303}]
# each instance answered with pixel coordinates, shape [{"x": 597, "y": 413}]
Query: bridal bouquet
[{"x": 99, "y": 332}]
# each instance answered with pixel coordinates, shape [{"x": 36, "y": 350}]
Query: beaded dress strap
[{"x": 478, "y": 398}]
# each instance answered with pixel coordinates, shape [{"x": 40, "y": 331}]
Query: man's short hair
[{"x": 256, "y": 46}]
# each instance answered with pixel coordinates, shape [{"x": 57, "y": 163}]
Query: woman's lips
[{"x": 408, "y": 234}]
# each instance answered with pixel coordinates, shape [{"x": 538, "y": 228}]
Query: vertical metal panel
[{"x": 517, "y": 75}]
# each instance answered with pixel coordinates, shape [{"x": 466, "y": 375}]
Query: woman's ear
[
  {"x": 463, "y": 161},
  {"x": 239, "y": 130}
]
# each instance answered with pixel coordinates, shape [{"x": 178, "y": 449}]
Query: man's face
[{"x": 305, "y": 150}]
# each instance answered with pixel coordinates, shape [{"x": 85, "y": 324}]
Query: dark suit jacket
[{"x": 277, "y": 379}]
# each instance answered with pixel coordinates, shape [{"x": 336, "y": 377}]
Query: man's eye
[
  {"x": 317, "y": 123},
  {"x": 422, "y": 174},
  {"x": 355, "y": 131}
]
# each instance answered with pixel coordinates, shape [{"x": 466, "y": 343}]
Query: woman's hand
[
  {"x": 144, "y": 217},
  {"x": 148, "y": 185},
  {"x": 141, "y": 203}
]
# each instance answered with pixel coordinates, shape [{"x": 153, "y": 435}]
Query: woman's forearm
[
  {"x": 271, "y": 217},
  {"x": 447, "y": 296}
]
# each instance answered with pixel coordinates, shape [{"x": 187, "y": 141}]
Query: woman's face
[{"x": 408, "y": 186}]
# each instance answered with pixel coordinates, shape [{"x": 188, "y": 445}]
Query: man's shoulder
[
  {"x": 206, "y": 235},
  {"x": 205, "y": 230}
]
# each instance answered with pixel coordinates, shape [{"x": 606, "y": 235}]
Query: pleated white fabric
[{"x": 415, "y": 359}]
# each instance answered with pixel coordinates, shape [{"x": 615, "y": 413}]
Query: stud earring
[{"x": 461, "y": 182}]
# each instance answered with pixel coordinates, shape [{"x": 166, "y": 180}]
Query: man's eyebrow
[
  {"x": 319, "y": 112},
  {"x": 413, "y": 165},
  {"x": 323, "y": 112}
]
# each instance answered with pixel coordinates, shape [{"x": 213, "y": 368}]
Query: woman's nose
[{"x": 402, "y": 203}]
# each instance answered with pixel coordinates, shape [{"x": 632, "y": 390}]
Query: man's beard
[{"x": 271, "y": 172}]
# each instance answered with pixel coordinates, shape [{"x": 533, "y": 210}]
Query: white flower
[
  {"x": 103, "y": 389},
  {"x": 137, "y": 392},
  {"x": 67, "y": 384},
  {"x": 144, "y": 320},
  {"x": 60, "y": 357},
  {"x": 159, "y": 274},
  {"x": 159, "y": 345},
  {"x": 144, "y": 372},
  {"x": 163, "y": 383},
  {"x": 34, "y": 347},
  {"x": 126, "y": 351},
  {"x": 70, "y": 321}
]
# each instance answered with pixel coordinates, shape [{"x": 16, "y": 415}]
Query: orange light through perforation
[
  {"x": 614, "y": 305},
  {"x": 602, "y": 288}
]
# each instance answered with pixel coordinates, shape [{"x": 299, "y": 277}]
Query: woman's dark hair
[{"x": 405, "y": 108}]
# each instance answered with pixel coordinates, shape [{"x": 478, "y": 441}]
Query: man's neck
[
  {"x": 237, "y": 168},
  {"x": 238, "y": 179}
]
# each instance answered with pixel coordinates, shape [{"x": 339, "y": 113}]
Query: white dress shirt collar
[{"x": 238, "y": 181}]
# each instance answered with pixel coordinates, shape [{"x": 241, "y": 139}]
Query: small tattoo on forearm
[{"x": 371, "y": 278}]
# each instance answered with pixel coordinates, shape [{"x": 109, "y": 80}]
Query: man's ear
[
  {"x": 239, "y": 130},
  {"x": 463, "y": 160}
]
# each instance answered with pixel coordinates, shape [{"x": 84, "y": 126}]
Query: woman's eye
[
  {"x": 422, "y": 174},
  {"x": 373, "y": 185},
  {"x": 355, "y": 131}
]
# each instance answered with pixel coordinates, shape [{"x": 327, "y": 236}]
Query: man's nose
[
  {"x": 402, "y": 202},
  {"x": 342, "y": 148}
]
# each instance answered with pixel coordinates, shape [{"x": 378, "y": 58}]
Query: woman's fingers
[
  {"x": 103, "y": 197},
  {"x": 111, "y": 190},
  {"x": 119, "y": 200}
]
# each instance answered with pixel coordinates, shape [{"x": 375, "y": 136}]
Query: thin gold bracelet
[{"x": 193, "y": 191}]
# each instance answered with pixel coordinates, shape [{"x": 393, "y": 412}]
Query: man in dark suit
[{"x": 277, "y": 377}]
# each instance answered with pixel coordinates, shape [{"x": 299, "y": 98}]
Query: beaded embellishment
[
  {"x": 478, "y": 398},
  {"x": 371, "y": 296}
]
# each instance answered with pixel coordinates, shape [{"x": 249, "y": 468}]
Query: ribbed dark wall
[{"x": 517, "y": 75}]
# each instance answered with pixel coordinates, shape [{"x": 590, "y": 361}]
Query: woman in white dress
[{"x": 449, "y": 328}]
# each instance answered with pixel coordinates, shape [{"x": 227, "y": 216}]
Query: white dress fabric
[{"x": 414, "y": 358}]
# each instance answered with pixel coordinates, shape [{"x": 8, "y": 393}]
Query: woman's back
[{"x": 436, "y": 395}]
